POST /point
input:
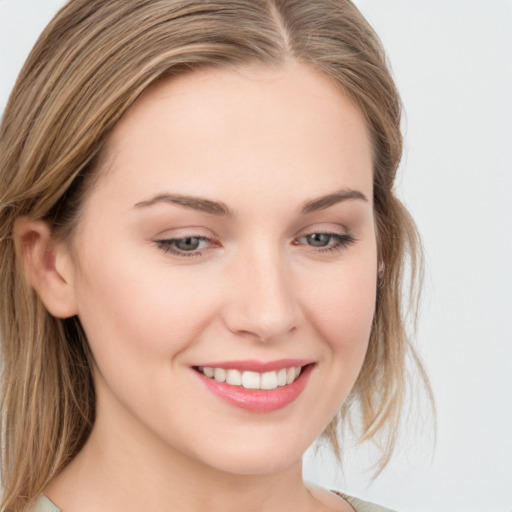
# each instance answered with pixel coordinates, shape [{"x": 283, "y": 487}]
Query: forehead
[{"x": 261, "y": 129}]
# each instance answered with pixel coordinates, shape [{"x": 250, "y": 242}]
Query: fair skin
[{"x": 282, "y": 267}]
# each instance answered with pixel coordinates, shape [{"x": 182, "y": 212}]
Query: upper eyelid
[
  {"x": 325, "y": 227},
  {"x": 213, "y": 239},
  {"x": 209, "y": 232},
  {"x": 184, "y": 232}
]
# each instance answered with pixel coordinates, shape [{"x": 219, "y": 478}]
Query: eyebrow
[
  {"x": 195, "y": 203},
  {"x": 323, "y": 202},
  {"x": 220, "y": 209}
]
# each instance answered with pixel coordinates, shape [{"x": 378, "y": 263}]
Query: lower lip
[{"x": 258, "y": 400}]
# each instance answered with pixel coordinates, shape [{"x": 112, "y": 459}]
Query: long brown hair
[{"x": 89, "y": 65}]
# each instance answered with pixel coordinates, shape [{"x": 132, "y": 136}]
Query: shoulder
[
  {"x": 362, "y": 506},
  {"x": 339, "y": 501},
  {"x": 43, "y": 504}
]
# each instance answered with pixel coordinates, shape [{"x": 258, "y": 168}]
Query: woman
[{"x": 202, "y": 255}]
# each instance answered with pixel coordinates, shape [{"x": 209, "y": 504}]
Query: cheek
[
  {"x": 341, "y": 311},
  {"x": 135, "y": 312},
  {"x": 343, "y": 308}
]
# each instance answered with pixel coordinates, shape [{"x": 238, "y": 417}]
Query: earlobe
[{"x": 47, "y": 265}]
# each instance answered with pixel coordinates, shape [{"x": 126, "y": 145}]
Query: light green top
[
  {"x": 43, "y": 504},
  {"x": 362, "y": 506}
]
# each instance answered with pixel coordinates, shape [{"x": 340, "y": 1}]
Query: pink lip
[{"x": 258, "y": 400}]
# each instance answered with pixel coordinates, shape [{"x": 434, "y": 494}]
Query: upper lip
[{"x": 257, "y": 366}]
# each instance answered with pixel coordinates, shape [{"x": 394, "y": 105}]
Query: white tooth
[
  {"x": 281, "y": 377},
  {"x": 220, "y": 374},
  {"x": 251, "y": 380},
  {"x": 209, "y": 372},
  {"x": 269, "y": 380},
  {"x": 290, "y": 375},
  {"x": 234, "y": 377},
  {"x": 297, "y": 371}
]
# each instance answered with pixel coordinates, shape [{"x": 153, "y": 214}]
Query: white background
[{"x": 452, "y": 60}]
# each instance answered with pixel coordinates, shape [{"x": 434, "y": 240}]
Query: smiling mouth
[{"x": 253, "y": 380}]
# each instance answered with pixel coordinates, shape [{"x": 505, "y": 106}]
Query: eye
[
  {"x": 186, "y": 246},
  {"x": 326, "y": 241},
  {"x": 319, "y": 239}
]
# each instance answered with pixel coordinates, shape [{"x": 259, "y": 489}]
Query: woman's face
[{"x": 232, "y": 235}]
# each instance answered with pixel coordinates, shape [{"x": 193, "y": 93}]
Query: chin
[
  {"x": 262, "y": 464},
  {"x": 255, "y": 458}
]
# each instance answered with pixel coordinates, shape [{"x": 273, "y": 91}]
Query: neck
[{"x": 125, "y": 468}]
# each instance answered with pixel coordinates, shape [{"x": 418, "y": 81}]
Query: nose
[{"x": 263, "y": 304}]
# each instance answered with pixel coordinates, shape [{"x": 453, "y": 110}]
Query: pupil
[
  {"x": 319, "y": 239},
  {"x": 188, "y": 244}
]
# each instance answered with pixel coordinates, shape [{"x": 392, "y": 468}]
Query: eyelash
[
  {"x": 169, "y": 245},
  {"x": 340, "y": 241}
]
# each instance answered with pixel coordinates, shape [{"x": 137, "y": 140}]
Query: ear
[{"x": 47, "y": 265}]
